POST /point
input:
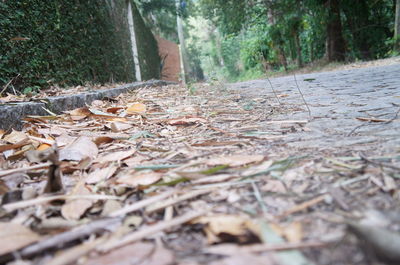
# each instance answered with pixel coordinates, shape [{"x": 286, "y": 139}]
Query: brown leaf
[
  {"x": 101, "y": 174},
  {"x": 15, "y": 236},
  {"x": 79, "y": 149},
  {"x": 232, "y": 227},
  {"x": 116, "y": 156},
  {"x": 235, "y": 160},
  {"x": 80, "y": 113},
  {"x": 186, "y": 121},
  {"x": 136, "y": 108},
  {"x": 119, "y": 126},
  {"x": 142, "y": 178},
  {"x": 74, "y": 209},
  {"x": 16, "y": 137}
]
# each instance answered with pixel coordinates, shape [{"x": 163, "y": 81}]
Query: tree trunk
[
  {"x": 298, "y": 49},
  {"x": 135, "y": 52},
  {"x": 336, "y": 47},
  {"x": 182, "y": 45},
  {"x": 358, "y": 21},
  {"x": 397, "y": 27}
]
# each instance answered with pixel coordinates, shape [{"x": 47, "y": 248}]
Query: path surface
[{"x": 336, "y": 99}]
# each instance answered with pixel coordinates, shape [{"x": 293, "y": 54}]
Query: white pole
[{"x": 135, "y": 52}]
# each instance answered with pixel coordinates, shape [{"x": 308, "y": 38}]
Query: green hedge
[{"x": 67, "y": 42}]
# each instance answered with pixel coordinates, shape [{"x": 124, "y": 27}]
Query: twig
[
  {"x": 24, "y": 169},
  {"x": 304, "y": 100},
  {"x": 172, "y": 201},
  {"x": 23, "y": 204},
  {"x": 79, "y": 232},
  {"x": 373, "y": 123},
  {"x": 151, "y": 230},
  {"x": 142, "y": 204},
  {"x": 273, "y": 90},
  {"x": 382, "y": 164},
  {"x": 9, "y": 82}
]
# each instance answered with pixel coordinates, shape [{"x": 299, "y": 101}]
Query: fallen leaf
[
  {"x": 116, "y": 156},
  {"x": 15, "y": 236},
  {"x": 235, "y": 160},
  {"x": 74, "y": 209},
  {"x": 101, "y": 174},
  {"x": 79, "y": 149},
  {"x": 274, "y": 185},
  {"x": 135, "y": 179},
  {"x": 136, "y": 108},
  {"x": 229, "y": 228},
  {"x": 186, "y": 121},
  {"x": 80, "y": 113},
  {"x": 119, "y": 126},
  {"x": 292, "y": 232},
  {"x": 16, "y": 137}
]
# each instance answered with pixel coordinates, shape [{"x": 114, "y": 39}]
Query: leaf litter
[{"x": 167, "y": 176}]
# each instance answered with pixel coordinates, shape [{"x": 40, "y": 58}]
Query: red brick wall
[{"x": 172, "y": 65}]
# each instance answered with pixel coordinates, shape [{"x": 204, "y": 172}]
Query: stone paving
[{"x": 336, "y": 99}]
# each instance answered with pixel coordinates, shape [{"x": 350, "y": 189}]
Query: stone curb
[{"x": 11, "y": 114}]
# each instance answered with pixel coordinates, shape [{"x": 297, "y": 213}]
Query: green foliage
[
  {"x": 276, "y": 34},
  {"x": 69, "y": 43}
]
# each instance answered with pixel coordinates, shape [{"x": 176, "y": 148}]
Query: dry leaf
[
  {"x": 292, "y": 232},
  {"x": 220, "y": 228},
  {"x": 136, "y": 108},
  {"x": 79, "y": 149},
  {"x": 80, "y": 113},
  {"x": 142, "y": 178},
  {"x": 74, "y": 209},
  {"x": 116, "y": 156},
  {"x": 235, "y": 160},
  {"x": 119, "y": 126},
  {"x": 16, "y": 137},
  {"x": 101, "y": 174},
  {"x": 186, "y": 121},
  {"x": 274, "y": 185},
  {"x": 15, "y": 236}
]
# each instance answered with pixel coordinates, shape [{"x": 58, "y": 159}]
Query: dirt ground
[{"x": 214, "y": 174}]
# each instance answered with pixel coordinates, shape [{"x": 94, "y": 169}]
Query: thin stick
[
  {"x": 273, "y": 90},
  {"x": 151, "y": 230},
  {"x": 5, "y": 87},
  {"x": 172, "y": 201},
  {"x": 23, "y": 204},
  {"x": 24, "y": 169},
  {"x": 305, "y": 102},
  {"x": 142, "y": 204}
]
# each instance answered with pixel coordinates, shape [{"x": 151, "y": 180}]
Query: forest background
[{"x": 61, "y": 42}]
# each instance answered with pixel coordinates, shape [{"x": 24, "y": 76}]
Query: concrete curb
[{"x": 11, "y": 114}]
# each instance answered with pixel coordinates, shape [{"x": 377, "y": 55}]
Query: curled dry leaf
[
  {"x": 79, "y": 149},
  {"x": 80, "y": 113},
  {"x": 235, "y": 160},
  {"x": 15, "y": 236},
  {"x": 142, "y": 178}
]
